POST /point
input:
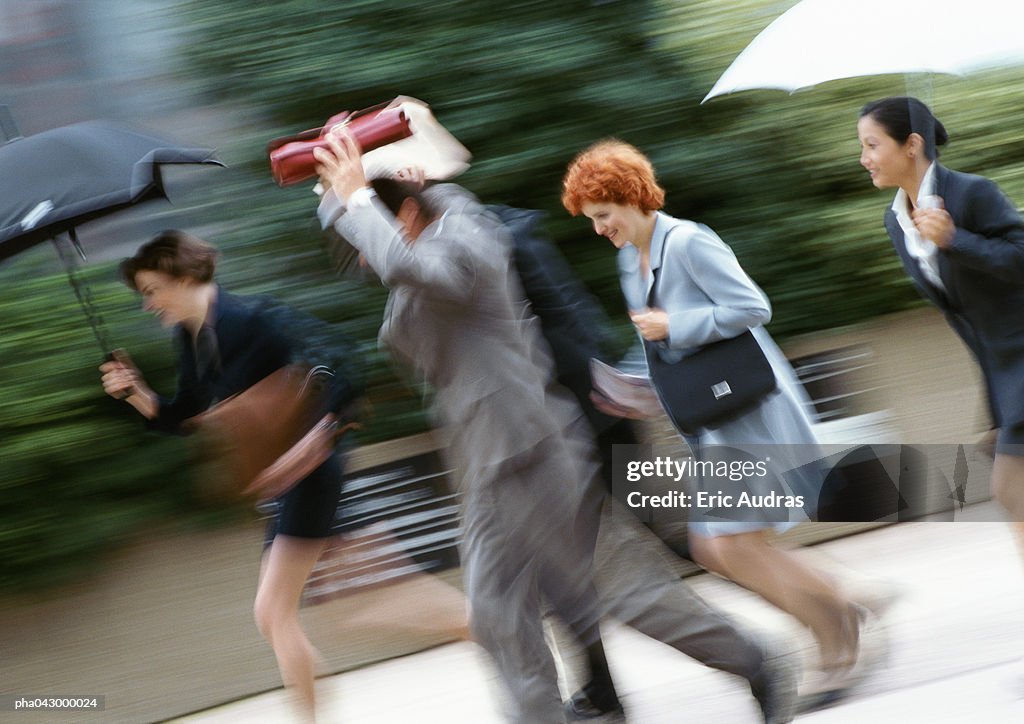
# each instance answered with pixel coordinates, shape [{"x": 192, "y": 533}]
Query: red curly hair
[{"x": 611, "y": 171}]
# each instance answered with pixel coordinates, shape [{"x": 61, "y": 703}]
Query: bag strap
[
  {"x": 661, "y": 258},
  {"x": 661, "y": 261},
  {"x": 367, "y": 111}
]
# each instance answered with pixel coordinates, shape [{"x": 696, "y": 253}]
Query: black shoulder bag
[{"x": 717, "y": 383}]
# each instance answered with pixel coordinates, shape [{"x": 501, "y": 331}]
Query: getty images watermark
[
  {"x": 709, "y": 494},
  {"x": 794, "y": 483},
  {"x": 35, "y": 702}
]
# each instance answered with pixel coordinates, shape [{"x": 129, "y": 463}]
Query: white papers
[
  {"x": 431, "y": 147},
  {"x": 632, "y": 392}
]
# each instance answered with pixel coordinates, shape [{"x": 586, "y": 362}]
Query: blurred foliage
[
  {"x": 792, "y": 198},
  {"x": 525, "y": 86},
  {"x": 74, "y": 479}
]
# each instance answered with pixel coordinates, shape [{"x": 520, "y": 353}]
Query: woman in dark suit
[
  {"x": 962, "y": 242},
  {"x": 226, "y": 346}
]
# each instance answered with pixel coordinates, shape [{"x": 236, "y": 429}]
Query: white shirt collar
[
  {"x": 927, "y": 188},
  {"x": 923, "y": 251}
]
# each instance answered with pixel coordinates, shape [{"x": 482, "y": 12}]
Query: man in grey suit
[{"x": 457, "y": 317}]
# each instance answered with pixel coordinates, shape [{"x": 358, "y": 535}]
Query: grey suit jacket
[
  {"x": 457, "y": 317},
  {"x": 983, "y": 273}
]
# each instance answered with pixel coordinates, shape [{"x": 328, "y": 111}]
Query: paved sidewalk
[{"x": 956, "y": 645}]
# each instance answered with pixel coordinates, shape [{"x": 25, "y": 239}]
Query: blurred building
[{"x": 63, "y": 61}]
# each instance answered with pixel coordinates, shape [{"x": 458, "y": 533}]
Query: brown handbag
[
  {"x": 291, "y": 157},
  {"x": 262, "y": 441}
]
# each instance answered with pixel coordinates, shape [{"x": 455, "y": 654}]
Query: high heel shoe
[{"x": 837, "y": 679}]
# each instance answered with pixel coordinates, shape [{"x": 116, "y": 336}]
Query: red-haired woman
[{"x": 685, "y": 289}]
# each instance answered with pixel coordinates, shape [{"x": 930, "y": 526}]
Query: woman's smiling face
[
  {"x": 169, "y": 299},
  {"x": 620, "y": 224},
  {"x": 886, "y": 159}
]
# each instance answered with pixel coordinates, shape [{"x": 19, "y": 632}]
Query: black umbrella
[{"x": 53, "y": 181}]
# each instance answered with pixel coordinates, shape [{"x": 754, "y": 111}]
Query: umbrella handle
[{"x": 120, "y": 355}]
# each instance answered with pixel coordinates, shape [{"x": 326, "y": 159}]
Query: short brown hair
[
  {"x": 175, "y": 253},
  {"x": 611, "y": 171}
]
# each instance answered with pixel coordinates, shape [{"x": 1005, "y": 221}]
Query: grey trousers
[
  {"x": 520, "y": 546},
  {"x": 639, "y": 583},
  {"x": 639, "y": 586},
  {"x": 528, "y": 544}
]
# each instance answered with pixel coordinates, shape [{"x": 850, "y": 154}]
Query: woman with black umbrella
[{"x": 226, "y": 346}]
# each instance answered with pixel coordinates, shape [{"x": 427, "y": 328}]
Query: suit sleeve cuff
[
  {"x": 332, "y": 206},
  {"x": 361, "y": 198}
]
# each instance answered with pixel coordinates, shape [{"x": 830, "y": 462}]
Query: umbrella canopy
[
  {"x": 52, "y": 181},
  {"x": 822, "y": 40}
]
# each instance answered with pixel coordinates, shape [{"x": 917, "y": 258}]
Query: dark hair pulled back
[{"x": 901, "y": 115}]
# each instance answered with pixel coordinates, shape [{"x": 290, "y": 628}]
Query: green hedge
[{"x": 78, "y": 472}]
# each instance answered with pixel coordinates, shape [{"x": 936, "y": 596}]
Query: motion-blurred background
[{"x": 524, "y": 85}]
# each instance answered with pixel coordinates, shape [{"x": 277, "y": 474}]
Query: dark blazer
[
  {"x": 983, "y": 272},
  {"x": 572, "y": 321},
  {"x": 248, "y": 349}
]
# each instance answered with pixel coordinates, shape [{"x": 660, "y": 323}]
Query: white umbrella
[{"x": 821, "y": 40}]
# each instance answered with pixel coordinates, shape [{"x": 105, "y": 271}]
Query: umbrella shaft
[{"x": 84, "y": 295}]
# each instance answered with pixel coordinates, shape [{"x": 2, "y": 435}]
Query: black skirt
[
  {"x": 1010, "y": 440},
  {"x": 308, "y": 509}
]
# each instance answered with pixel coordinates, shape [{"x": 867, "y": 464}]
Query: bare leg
[
  {"x": 440, "y": 606},
  {"x": 788, "y": 583},
  {"x": 1008, "y": 484},
  {"x": 1008, "y": 489},
  {"x": 286, "y": 566}
]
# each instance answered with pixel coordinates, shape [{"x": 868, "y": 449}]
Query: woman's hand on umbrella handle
[
  {"x": 119, "y": 375},
  {"x": 123, "y": 381},
  {"x": 651, "y": 323}
]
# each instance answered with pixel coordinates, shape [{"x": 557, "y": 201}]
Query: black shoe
[
  {"x": 775, "y": 690},
  {"x": 817, "y": 701},
  {"x": 594, "y": 702}
]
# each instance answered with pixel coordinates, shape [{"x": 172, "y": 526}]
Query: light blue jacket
[{"x": 709, "y": 297}]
